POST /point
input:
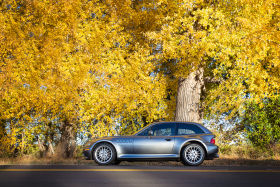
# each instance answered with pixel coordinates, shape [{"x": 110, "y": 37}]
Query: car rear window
[{"x": 186, "y": 129}]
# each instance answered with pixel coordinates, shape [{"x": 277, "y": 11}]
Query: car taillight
[{"x": 212, "y": 141}]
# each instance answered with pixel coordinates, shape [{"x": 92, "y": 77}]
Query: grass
[
  {"x": 249, "y": 152},
  {"x": 229, "y": 156},
  {"x": 80, "y": 161},
  {"x": 223, "y": 161}
]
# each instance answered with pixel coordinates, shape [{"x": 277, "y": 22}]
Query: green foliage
[{"x": 263, "y": 122}]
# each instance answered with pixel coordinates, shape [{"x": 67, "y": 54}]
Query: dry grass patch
[
  {"x": 28, "y": 160},
  {"x": 224, "y": 161},
  {"x": 229, "y": 156},
  {"x": 248, "y": 152}
]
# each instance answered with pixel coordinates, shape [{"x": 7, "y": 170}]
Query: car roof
[{"x": 176, "y": 122}]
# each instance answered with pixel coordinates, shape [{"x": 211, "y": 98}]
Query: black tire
[
  {"x": 104, "y": 154},
  {"x": 117, "y": 162},
  {"x": 193, "y": 155}
]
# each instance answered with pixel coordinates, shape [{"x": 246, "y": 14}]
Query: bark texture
[
  {"x": 67, "y": 145},
  {"x": 188, "y": 97},
  {"x": 45, "y": 145}
]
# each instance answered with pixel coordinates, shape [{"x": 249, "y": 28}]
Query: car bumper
[
  {"x": 212, "y": 152},
  {"x": 212, "y": 156}
]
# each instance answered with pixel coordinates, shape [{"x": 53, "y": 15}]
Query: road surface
[{"x": 128, "y": 176}]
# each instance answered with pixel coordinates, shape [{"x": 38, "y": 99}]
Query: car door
[{"x": 160, "y": 141}]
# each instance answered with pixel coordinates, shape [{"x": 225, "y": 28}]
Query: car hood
[{"x": 109, "y": 138}]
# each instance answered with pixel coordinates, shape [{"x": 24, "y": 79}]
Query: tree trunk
[
  {"x": 42, "y": 149},
  {"x": 67, "y": 145},
  {"x": 50, "y": 149},
  {"x": 188, "y": 97}
]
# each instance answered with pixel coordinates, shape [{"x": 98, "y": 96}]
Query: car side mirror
[{"x": 150, "y": 133}]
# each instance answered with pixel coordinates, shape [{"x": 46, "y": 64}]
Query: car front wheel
[
  {"x": 104, "y": 154},
  {"x": 193, "y": 155}
]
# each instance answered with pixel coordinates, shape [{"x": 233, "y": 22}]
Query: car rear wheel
[
  {"x": 104, "y": 154},
  {"x": 193, "y": 155}
]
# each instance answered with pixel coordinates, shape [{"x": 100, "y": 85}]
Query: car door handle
[{"x": 168, "y": 139}]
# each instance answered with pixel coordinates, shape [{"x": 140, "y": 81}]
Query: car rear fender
[{"x": 197, "y": 141}]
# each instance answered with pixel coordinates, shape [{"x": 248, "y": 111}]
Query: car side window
[
  {"x": 186, "y": 129},
  {"x": 144, "y": 133},
  {"x": 164, "y": 129}
]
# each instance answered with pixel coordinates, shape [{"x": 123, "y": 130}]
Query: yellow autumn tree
[
  {"x": 225, "y": 51},
  {"x": 98, "y": 68},
  {"x": 68, "y": 68},
  {"x": 249, "y": 65}
]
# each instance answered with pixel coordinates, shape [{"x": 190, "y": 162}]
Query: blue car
[{"x": 190, "y": 143}]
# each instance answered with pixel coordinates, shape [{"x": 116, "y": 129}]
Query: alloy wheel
[
  {"x": 194, "y": 154},
  {"x": 103, "y": 154}
]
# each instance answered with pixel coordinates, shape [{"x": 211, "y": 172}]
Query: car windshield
[{"x": 140, "y": 130}]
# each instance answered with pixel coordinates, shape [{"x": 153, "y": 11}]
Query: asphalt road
[{"x": 127, "y": 176}]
